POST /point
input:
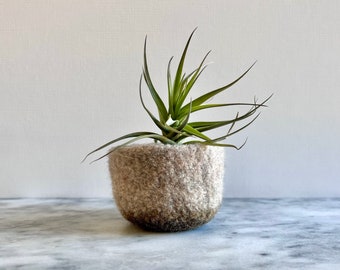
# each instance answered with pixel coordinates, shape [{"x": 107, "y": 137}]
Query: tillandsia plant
[{"x": 174, "y": 120}]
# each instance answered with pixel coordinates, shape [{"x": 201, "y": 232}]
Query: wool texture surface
[{"x": 167, "y": 188}]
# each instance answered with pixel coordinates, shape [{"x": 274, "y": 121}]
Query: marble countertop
[{"x": 245, "y": 234}]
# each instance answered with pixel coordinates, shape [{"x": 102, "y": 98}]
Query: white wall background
[{"x": 69, "y": 75}]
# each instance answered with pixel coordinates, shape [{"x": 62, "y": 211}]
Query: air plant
[{"x": 174, "y": 120}]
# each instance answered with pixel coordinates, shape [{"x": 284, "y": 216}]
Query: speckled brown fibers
[{"x": 167, "y": 188}]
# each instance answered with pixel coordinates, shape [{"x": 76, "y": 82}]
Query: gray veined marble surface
[{"x": 245, "y": 234}]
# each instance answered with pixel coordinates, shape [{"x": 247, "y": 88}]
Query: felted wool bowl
[{"x": 167, "y": 188}]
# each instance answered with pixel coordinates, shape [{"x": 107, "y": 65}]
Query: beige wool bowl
[{"x": 167, "y": 188}]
